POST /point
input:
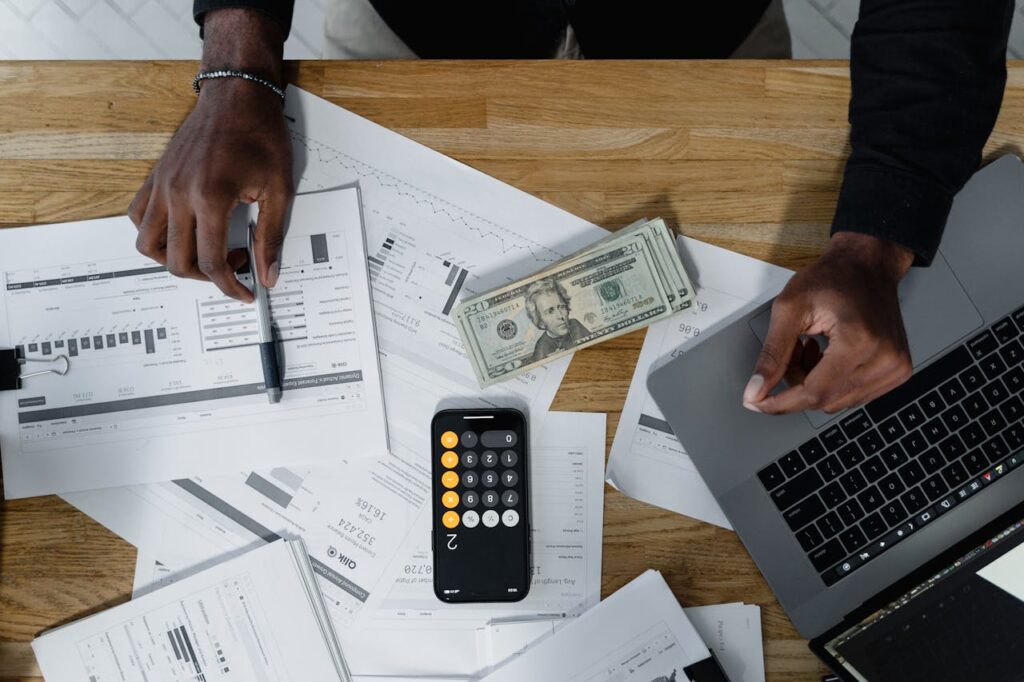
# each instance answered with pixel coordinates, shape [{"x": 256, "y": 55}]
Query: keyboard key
[
  {"x": 771, "y": 476},
  {"x": 853, "y": 539},
  {"x": 993, "y": 422},
  {"x": 804, "y": 513},
  {"x": 833, "y": 494},
  {"x": 809, "y": 538},
  {"x": 871, "y": 442},
  {"x": 952, "y": 448},
  {"x": 873, "y": 525},
  {"x": 992, "y": 366},
  {"x": 1014, "y": 436},
  {"x": 792, "y": 463},
  {"x": 871, "y": 499},
  {"x": 911, "y": 473},
  {"x": 935, "y": 487},
  {"x": 1012, "y": 409},
  {"x": 850, "y": 512},
  {"x": 932, "y": 461},
  {"x": 975, "y": 405},
  {"x": 995, "y": 449},
  {"x": 1004, "y": 330},
  {"x": 911, "y": 417},
  {"x": 1012, "y": 353},
  {"x": 955, "y": 474},
  {"x": 914, "y": 500},
  {"x": 1014, "y": 380},
  {"x": 794, "y": 490},
  {"x": 874, "y": 468},
  {"x": 931, "y": 404},
  {"x": 952, "y": 391},
  {"x": 1015, "y": 460},
  {"x": 827, "y": 555},
  {"x": 893, "y": 512},
  {"x": 830, "y": 468},
  {"x": 972, "y": 378},
  {"x": 892, "y": 429},
  {"x": 982, "y": 344},
  {"x": 914, "y": 443},
  {"x": 833, "y": 437},
  {"x": 954, "y": 418},
  {"x": 920, "y": 383},
  {"x": 891, "y": 486},
  {"x": 855, "y": 424},
  {"x": 894, "y": 456},
  {"x": 972, "y": 435},
  {"x": 850, "y": 455},
  {"x": 995, "y": 392},
  {"x": 812, "y": 450},
  {"x": 934, "y": 431},
  {"x": 853, "y": 482},
  {"x": 830, "y": 525},
  {"x": 1018, "y": 316}
]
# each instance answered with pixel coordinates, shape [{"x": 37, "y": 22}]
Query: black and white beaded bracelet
[{"x": 229, "y": 73}]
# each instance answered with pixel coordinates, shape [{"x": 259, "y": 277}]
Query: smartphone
[{"x": 481, "y": 513}]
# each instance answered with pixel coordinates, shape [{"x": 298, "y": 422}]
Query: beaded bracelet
[{"x": 229, "y": 73}]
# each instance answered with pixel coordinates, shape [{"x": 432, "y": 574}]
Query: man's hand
[
  {"x": 849, "y": 295},
  {"x": 234, "y": 147}
]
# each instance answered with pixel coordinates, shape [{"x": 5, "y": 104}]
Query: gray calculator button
[
  {"x": 509, "y": 458},
  {"x": 509, "y": 478},
  {"x": 469, "y": 439},
  {"x": 510, "y": 498},
  {"x": 489, "y": 498},
  {"x": 489, "y": 478},
  {"x": 489, "y": 458},
  {"x": 469, "y": 459},
  {"x": 470, "y": 498},
  {"x": 469, "y": 479}
]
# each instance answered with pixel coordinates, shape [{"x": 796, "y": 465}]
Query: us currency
[{"x": 621, "y": 283}]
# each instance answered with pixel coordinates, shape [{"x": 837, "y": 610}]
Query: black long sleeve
[
  {"x": 279, "y": 10},
  {"x": 928, "y": 79}
]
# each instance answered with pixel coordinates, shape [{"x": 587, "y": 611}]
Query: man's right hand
[{"x": 234, "y": 147}]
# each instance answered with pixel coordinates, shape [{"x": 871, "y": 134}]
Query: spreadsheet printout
[{"x": 165, "y": 378}]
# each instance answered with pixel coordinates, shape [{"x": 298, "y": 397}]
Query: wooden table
[{"x": 747, "y": 155}]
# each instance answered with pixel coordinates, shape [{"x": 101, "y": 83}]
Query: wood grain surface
[{"x": 747, "y": 155}]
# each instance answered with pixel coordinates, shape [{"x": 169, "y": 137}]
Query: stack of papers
[{"x": 256, "y": 617}]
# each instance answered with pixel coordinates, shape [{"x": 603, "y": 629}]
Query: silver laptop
[{"x": 837, "y": 509}]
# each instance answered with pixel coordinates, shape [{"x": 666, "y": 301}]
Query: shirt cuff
[
  {"x": 894, "y": 206},
  {"x": 278, "y": 10}
]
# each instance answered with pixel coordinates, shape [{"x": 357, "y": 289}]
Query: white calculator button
[
  {"x": 491, "y": 518},
  {"x": 510, "y": 518},
  {"x": 470, "y": 519}
]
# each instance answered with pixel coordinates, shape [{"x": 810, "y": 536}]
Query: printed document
[
  {"x": 647, "y": 462},
  {"x": 733, "y": 632},
  {"x": 165, "y": 378},
  {"x": 256, "y": 618},
  {"x": 639, "y": 634}
]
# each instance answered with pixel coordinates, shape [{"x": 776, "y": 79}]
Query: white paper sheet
[
  {"x": 647, "y": 462},
  {"x": 164, "y": 379},
  {"x": 639, "y": 634},
  {"x": 733, "y": 632},
  {"x": 437, "y": 231},
  {"x": 400, "y": 628},
  {"x": 251, "y": 619},
  {"x": 1007, "y": 572}
]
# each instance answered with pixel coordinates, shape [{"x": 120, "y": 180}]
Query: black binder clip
[
  {"x": 706, "y": 670},
  {"x": 11, "y": 364}
]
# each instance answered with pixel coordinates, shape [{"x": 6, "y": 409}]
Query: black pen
[{"x": 268, "y": 348}]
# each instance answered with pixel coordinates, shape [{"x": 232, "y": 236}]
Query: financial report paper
[
  {"x": 380, "y": 597},
  {"x": 165, "y": 378},
  {"x": 647, "y": 461}
]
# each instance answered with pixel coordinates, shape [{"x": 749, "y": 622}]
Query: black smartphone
[{"x": 481, "y": 512}]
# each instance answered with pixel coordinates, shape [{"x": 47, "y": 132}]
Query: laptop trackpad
[{"x": 936, "y": 312}]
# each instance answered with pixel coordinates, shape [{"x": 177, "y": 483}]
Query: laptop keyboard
[{"x": 895, "y": 465}]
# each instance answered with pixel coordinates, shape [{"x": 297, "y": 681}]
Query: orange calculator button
[
  {"x": 449, "y": 439},
  {"x": 450, "y": 519},
  {"x": 449, "y": 459},
  {"x": 449, "y": 479},
  {"x": 450, "y": 499}
]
